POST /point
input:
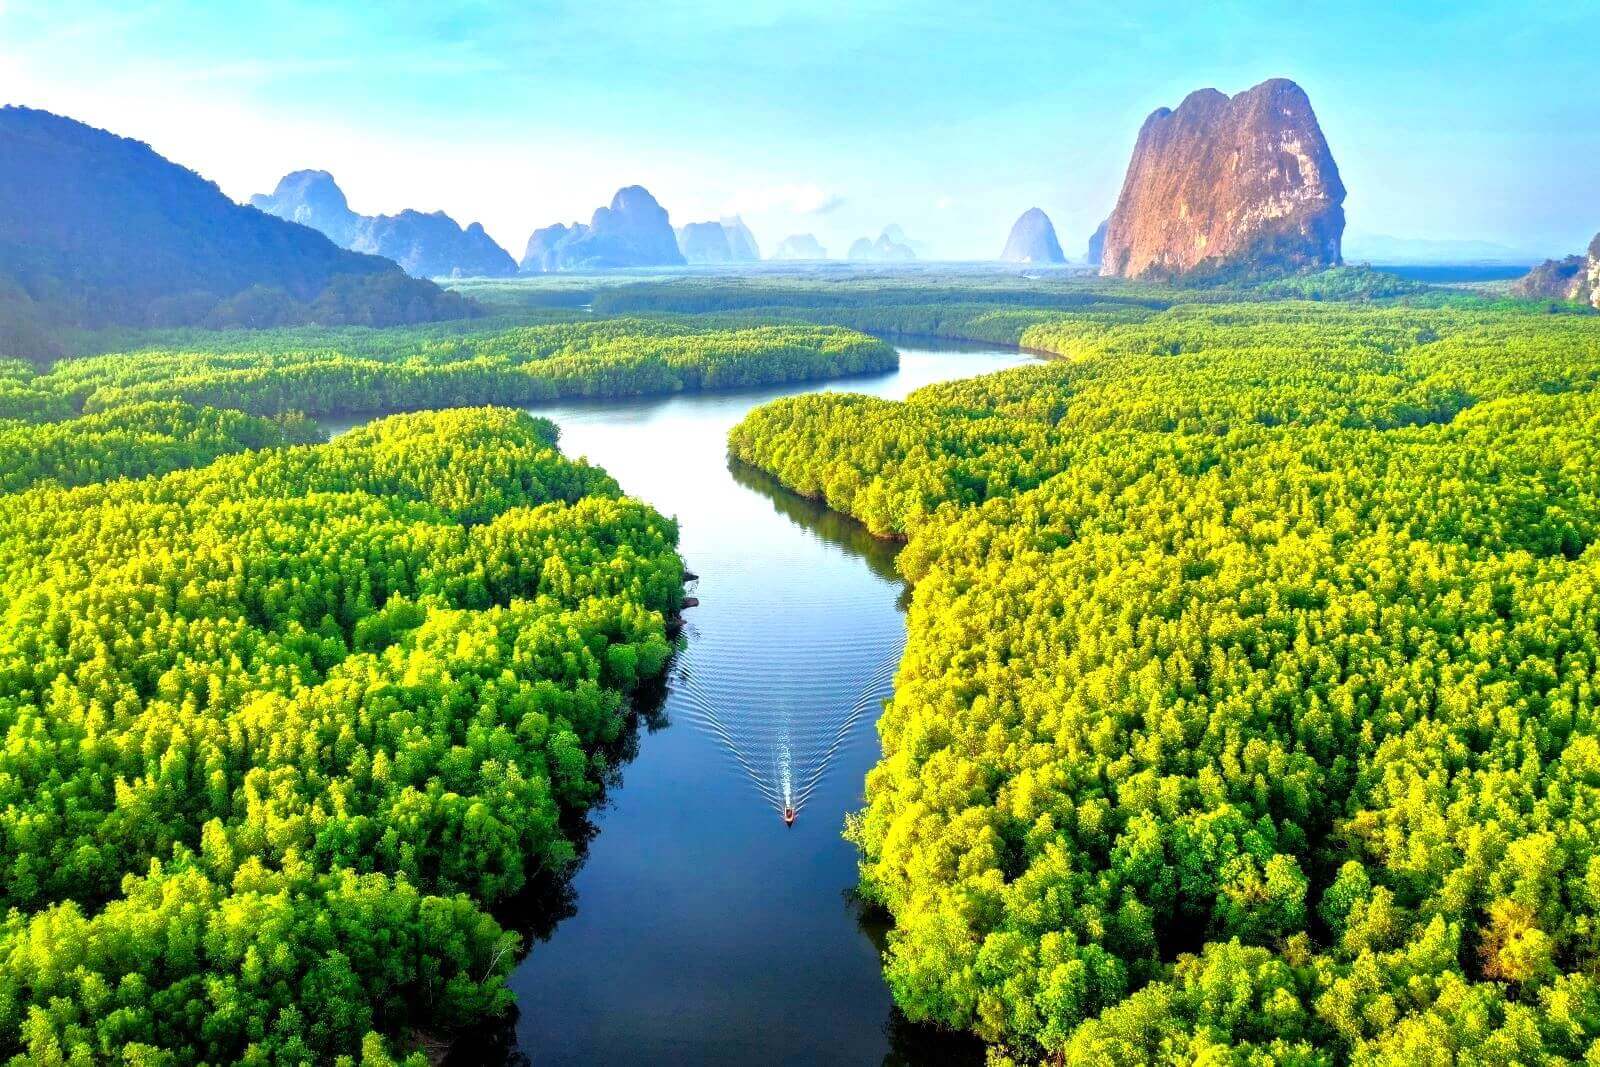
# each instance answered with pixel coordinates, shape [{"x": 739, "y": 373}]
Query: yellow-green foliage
[
  {"x": 281, "y": 723},
  {"x": 1250, "y": 710},
  {"x": 271, "y": 372},
  {"x": 279, "y": 729},
  {"x": 133, "y": 442},
  {"x": 22, "y": 398}
]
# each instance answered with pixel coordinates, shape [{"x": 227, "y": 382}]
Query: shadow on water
[
  {"x": 549, "y": 897},
  {"x": 695, "y": 927},
  {"x": 819, "y": 520},
  {"x": 912, "y": 1044}
]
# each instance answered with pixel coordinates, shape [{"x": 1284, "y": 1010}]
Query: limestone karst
[{"x": 1228, "y": 184}]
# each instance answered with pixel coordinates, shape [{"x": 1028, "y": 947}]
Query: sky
[{"x": 1449, "y": 121}]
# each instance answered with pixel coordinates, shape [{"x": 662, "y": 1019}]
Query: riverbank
[{"x": 696, "y": 915}]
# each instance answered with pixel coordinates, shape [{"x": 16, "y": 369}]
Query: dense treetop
[
  {"x": 1249, "y": 713},
  {"x": 271, "y": 372},
  {"x": 280, "y": 728},
  {"x": 133, "y": 442}
]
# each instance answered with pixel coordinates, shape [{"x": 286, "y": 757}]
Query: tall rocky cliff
[
  {"x": 1033, "y": 240},
  {"x": 741, "y": 242},
  {"x": 1097, "y": 244},
  {"x": 633, "y": 231},
  {"x": 1223, "y": 186},
  {"x": 425, "y": 244},
  {"x": 1573, "y": 278}
]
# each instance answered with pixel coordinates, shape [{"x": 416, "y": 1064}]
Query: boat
[{"x": 788, "y": 816}]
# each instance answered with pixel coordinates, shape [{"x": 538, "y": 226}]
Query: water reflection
[
  {"x": 912, "y": 1044},
  {"x": 549, "y": 898},
  {"x": 817, "y": 519},
  {"x": 705, "y": 931}
]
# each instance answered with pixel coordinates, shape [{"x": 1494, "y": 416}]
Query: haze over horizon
[{"x": 834, "y": 122}]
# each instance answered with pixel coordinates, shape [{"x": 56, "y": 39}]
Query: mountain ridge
[
  {"x": 426, "y": 244},
  {"x": 100, "y": 230}
]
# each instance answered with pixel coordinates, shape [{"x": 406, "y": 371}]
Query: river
[{"x": 700, "y": 929}]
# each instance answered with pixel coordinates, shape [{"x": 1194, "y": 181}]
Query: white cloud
[
  {"x": 797, "y": 199},
  {"x": 945, "y": 203}
]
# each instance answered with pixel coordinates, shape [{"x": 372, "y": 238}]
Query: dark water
[
  {"x": 700, "y": 929},
  {"x": 1457, "y": 273}
]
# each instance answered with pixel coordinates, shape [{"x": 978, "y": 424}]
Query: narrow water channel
[{"x": 700, "y": 928}]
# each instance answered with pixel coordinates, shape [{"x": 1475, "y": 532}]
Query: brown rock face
[
  {"x": 1574, "y": 278},
  {"x": 1554, "y": 279},
  {"x": 1222, "y": 185}
]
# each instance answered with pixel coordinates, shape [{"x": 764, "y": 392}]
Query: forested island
[{"x": 321, "y": 372}]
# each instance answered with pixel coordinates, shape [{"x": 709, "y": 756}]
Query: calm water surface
[{"x": 700, "y": 929}]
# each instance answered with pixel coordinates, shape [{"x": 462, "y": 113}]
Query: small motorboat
[{"x": 788, "y": 816}]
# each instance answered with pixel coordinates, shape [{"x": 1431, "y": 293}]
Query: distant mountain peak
[
  {"x": 1033, "y": 240},
  {"x": 635, "y": 198},
  {"x": 309, "y": 178},
  {"x": 312, "y": 198},
  {"x": 97, "y": 229},
  {"x": 741, "y": 242},
  {"x": 1097, "y": 244},
  {"x": 634, "y": 230},
  {"x": 800, "y": 246},
  {"x": 891, "y": 246},
  {"x": 427, "y": 244},
  {"x": 724, "y": 241}
]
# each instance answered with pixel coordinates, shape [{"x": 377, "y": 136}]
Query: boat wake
[{"x": 781, "y": 695}]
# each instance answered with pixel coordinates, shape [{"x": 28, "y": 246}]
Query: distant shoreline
[{"x": 1455, "y": 273}]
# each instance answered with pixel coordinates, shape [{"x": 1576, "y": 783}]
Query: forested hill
[{"x": 98, "y": 230}]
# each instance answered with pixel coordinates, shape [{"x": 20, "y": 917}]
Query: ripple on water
[{"x": 780, "y": 685}]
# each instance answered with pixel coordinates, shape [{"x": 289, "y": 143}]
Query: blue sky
[{"x": 1469, "y": 120}]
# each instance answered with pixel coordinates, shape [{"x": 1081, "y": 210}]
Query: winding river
[{"x": 701, "y": 929}]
